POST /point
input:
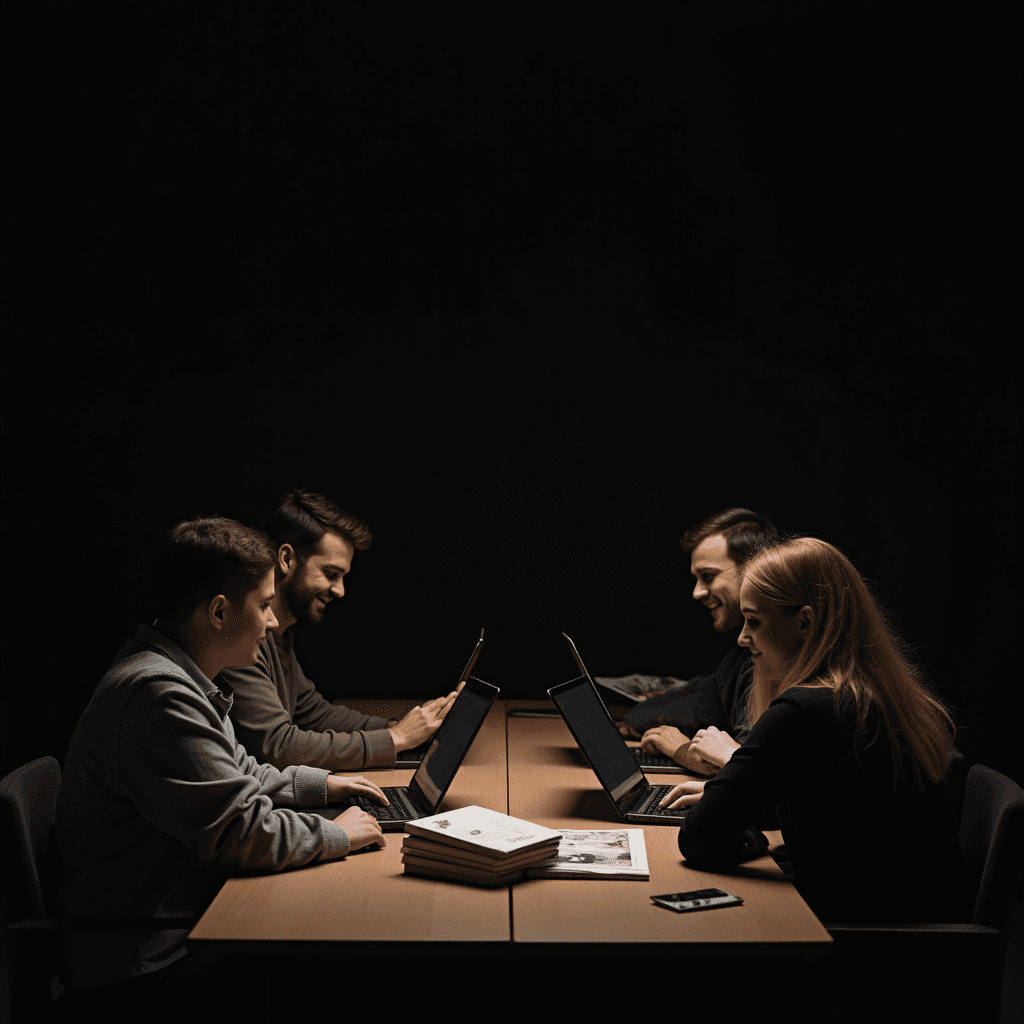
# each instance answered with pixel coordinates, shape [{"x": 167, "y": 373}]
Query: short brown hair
[
  {"x": 201, "y": 558},
  {"x": 302, "y": 518},
  {"x": 746, "y": 532}
]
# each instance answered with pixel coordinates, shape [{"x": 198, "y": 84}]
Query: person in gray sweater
[
  {"x": 158, "y": 802},
  {"x": 278, "y": 714}
]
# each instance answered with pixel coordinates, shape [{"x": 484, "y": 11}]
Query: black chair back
[
  {"x": 28, "y": 807},
  {"x": 992, "y": 841}
]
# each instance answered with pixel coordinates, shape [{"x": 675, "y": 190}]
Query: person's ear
[
  {"x": 287, "y": 560},
  {"x": 806, "y": 621},
  {"x": 215, "y": 611}
]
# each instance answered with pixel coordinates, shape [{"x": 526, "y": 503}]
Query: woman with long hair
[{"x": 846, "y": 741}]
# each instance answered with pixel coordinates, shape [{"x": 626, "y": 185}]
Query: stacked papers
[{"x": 477, "y": 845}]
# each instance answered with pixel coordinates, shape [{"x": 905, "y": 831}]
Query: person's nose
[
  {"x": 271, "y": 619},
  {"x": 699, "y": 591},
  {"x": 337, "y": 588},
  {"x": 744, "y": 639}
]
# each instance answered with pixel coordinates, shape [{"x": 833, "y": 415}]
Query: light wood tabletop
[
  {"x": 551, "y": 783},
  {"x": 528, "y": 767}
]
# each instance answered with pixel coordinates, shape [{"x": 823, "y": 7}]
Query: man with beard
[
  {"x": 701, "y": 725},
  {"x": 279, "y": 716}
]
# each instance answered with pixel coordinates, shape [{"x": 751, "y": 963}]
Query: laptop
[
  {"x": 447, "y": 750},
  {"x": 648, "y": 761},
  {"x": 414, "y": 755},
  {"x": 583, "y": 710}
]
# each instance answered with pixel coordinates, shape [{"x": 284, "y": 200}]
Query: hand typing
[
  {"x": 363, "y": 829},
  {"x": 344, "y": 787},
  {"x": 686, "y": 794},
  {"x": 668, "y": 740},
  {"x": 714, "y": 745}
]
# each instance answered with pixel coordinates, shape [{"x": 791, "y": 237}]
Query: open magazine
[
  {"x": 597, "y": 853},
  {"x": 638, "y": 688}
]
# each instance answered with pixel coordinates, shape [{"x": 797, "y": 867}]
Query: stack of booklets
[{"x": 474, "y": 844}]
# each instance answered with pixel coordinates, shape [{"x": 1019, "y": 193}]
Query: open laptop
[
  {"x": 423, "y": 796},
  {"x": 412, "y": 757},
  {"x": 635, "y": 799},
  {"x": 647, "y": 761}
]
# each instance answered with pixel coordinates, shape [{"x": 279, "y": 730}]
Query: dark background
[{"x": 529, "y": 289}]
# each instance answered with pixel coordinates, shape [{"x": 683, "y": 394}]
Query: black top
[
  {"x": 860, "y": 849},
  {"x": 719, "y": 699}
]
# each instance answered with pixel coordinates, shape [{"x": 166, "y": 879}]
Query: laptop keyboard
[
  {"x": 398, "y": 810},
  {"x": 650, "y": 804},
  {"x": 653, "y": 760}
]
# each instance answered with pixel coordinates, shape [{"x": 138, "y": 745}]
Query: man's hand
[
  {"x": 714, "y": 746},
  {"x": 363, "y": 829},
  {"x": 625, "y": 729},
  {"x": 668, "y": 740},
  {"x": 344, "y": 787},
  {"x": 422, "y": 721},
  {"x": 686, "y": 794}
]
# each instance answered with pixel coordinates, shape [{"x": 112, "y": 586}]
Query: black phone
[{"x": 699, "y": 899}]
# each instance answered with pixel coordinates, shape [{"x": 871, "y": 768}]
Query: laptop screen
[
  {"x": 595, "y": 732},
  {"x": 452, "y": 740}
]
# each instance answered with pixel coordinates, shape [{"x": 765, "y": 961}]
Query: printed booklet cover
[{"x": 597, "y": 853}]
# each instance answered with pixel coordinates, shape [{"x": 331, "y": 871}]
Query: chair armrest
[{"x": 102, "y": 924}]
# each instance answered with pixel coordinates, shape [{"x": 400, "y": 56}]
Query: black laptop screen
[
  {"x": 609, "y": 756},
  {"x": 452, "y": 740}
]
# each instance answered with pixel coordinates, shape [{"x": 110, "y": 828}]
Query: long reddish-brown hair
[{"x": 850, "y": 650}]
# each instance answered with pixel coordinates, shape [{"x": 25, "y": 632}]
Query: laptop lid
[
  {"x": 593, "y": 728},
  {"x": 452, "y": 740},
  {"x": 468, "y": 670}
]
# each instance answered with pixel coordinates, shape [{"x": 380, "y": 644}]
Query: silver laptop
[{"x": 635, "y": 799}]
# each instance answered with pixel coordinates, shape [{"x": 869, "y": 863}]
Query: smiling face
[
  {"x": 773, "y": 635},
  {"x": 246, "y": 621},
  {"x": 307, "y": 588},
  {"x": 718, "y": 582}
]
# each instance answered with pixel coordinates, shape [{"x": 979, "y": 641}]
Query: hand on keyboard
[
  {"x": 362, "y": 828},
  {"x": 341, "y": 788},
  {"x": 668, "y": 740},
  {"x": 686, "y": 794}
]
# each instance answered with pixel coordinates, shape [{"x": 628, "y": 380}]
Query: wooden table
[
  {"x": 529, "y": 768},
  {"x": 551, "y": 783}
]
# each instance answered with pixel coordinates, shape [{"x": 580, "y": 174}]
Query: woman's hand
[
  {"x": 686, "y": 794},
  {"x": 714, "y": 746},
  {"x": 663, "y": 739}
]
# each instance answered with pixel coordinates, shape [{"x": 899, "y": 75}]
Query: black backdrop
[{"x": 529, "y": 289}]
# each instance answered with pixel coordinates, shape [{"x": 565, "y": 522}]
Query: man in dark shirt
[
  {"x": 716, "y": 704},
  {"x": 278, "y": 715}
]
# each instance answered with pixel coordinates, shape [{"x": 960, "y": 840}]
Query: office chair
[
  {"x": 992, "y": 842},
  {"x": 28, "y": 808},
  {"x": 28, "y": 805}
]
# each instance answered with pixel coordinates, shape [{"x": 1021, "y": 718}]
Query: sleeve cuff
[
  {"x": 380, "y": 749},
  {"x": 336, "y": 843},
  {"x": 311, "y": 787}
]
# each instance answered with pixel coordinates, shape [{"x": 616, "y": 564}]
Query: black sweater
[{"x": 861, "y": 849}]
